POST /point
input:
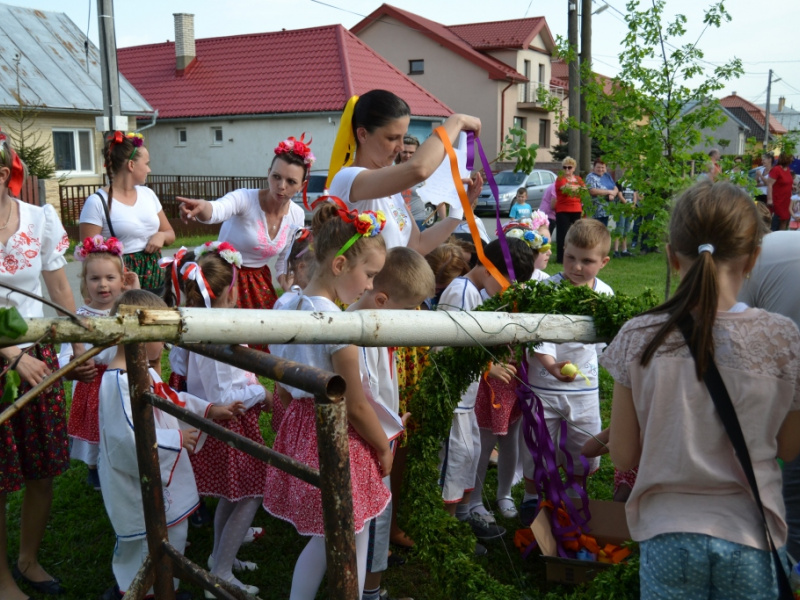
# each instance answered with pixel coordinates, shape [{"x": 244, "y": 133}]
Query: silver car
[
  {"x": 508, "y": 182},
  {"x": 316, "y": 188}
]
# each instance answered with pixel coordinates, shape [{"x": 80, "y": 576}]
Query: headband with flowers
[
  {"x": 225, "y": 250},
  {"x": 97, "y": 243},
  {"x": 299, "y": 147},
  {"x": 523, "y": 231},
  {"x": 174, "y": 262},
  {"x": 17, "y": 170},
  {"x": 539, "y": 219},
  {"x": 368, "y": 223},
  {"x": 192, "y": 271}
]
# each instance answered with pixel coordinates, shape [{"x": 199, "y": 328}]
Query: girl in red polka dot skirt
[
  {"x": 349, "y": 252},
  {"x": 221, "y": 471}
]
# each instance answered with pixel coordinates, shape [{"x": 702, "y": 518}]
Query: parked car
[
  {"x": 508, "y": 182},
  {"x": 316, "y": 188}
]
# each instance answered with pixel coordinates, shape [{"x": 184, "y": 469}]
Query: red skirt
[
  {"x": 277, "y": 411},
  {"x": 34, "y": 443},
  {"x": 505, "y": 410},
  {"x": 225, "y": 472},
  {"x": 84, "y": 420},
  {"x": 300, "y": 503},
  {"x": 256, "y": 291}
]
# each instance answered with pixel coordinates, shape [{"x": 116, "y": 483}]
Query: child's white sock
[
  {"x": 372, "y": 594},
  {"x": 529, "y": 496}
]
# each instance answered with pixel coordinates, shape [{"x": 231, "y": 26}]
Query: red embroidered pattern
[{"x": 24, "y": 248}]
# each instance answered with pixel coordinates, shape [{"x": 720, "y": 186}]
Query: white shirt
[
  {"x": 105, "y": 357},
  {"x": 133, "y": 225},
  {"x": 221, "y": 383},
  {"x": 462, "y": 294},
  {"x": 244, "y": 225},
  {"x": 399, "y": 223}
]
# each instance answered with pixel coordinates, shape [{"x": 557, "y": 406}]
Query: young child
[
  {"x": 118, "y": 466},
  {"x": 520, "y": 209},
  {"x": 173, "y": 294},
  {"x": 460, "y": 453},
  {"x": 585, "y": 252},
  {"x": 103, "y": 279},
  {"x": 541, "y": 224},
  {"x": 447, "y": 262},
  {"x": 691, "y": 504},
  {"x": 403, "y": 283},
  {"x": 348, "y": 259},
  {"x": 234, "y": 477}
]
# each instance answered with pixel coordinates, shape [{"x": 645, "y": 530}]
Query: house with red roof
[
  {"x": 754, "y": 117},
  {"x": 496, "y": 71},
  {"x": 224, "y": 103}
]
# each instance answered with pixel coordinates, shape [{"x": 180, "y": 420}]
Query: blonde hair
[
  {"x": 405, "y": 275},
  {"x": 95, "y": 256},
  {"x": 141, "y": 298},
  {"x": 447, "y": 262},
  {"x": 569, "y": 162},
  {"x": 588, "y": 234}
]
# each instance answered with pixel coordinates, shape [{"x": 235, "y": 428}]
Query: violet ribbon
[
  {"x": 546, "y": 476},
  {"x": 472, "y": 140}
]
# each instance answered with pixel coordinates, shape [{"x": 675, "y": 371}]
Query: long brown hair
[
  {"x": 724, "y": 216},
  {"x": 117, "y": 150}
]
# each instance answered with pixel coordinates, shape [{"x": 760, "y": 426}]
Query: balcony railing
[{"x": 534, "y": 93}]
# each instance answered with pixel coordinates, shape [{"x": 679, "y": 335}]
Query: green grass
[{"x": 79, "y": 540}]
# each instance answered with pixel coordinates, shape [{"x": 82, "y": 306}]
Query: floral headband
[
  {"x": 174, "y": 262},
  {"x": 299, "y": 147},
  {"x": 17, "y": 170},
  {"x": 98, "y": 243},
  {"x": 522, "y": 231},
  {"x": 137, "y": 139},
  {"x": 368, "y": 223},
  {"x": 225, "y": 250},
  {"x": 539, "y": 219}
]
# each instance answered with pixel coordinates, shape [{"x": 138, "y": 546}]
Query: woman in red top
[
  {"x": 779, "y": 192},
  {"x": 568, "y": 203}
]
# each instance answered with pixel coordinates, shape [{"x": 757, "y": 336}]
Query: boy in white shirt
[
  {"x": 460, "y": 453},
  {"x": 404, "y": 283},
  {"x": 585, "y": 253}
]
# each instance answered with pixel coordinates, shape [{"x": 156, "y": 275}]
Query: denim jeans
[{"x": 680, "y": 566}]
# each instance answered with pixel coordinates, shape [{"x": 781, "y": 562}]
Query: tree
[{"x": 642, "y": 124}]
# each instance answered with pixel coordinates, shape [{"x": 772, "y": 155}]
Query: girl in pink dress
[
  {"x": 349, "y": 253},
  {"x": 232, "y": 476}
]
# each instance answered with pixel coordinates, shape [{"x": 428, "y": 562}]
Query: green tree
[
  {"x": 643, "y": 124},
  {"x": 20, "y": 125}
]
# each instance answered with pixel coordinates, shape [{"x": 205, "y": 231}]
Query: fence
[{"x": 32, "y": 191}]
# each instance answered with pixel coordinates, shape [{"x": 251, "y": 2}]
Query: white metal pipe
[{"x": 363, "y": 328}]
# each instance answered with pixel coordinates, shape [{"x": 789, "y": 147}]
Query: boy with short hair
[
  {"x": 460, "y": 453},
  {"x": 404, "y": 283},
  {"x": 585, "y": 252},
  {"x": 521, "y": 209}
]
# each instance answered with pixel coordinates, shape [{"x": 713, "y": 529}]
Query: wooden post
[{"x": 149, "y": 471}]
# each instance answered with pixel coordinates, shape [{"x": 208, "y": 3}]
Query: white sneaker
[{"x": 507, "y": 508}]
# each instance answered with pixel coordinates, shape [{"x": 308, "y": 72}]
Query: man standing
[{"x": 414, "y": 203}]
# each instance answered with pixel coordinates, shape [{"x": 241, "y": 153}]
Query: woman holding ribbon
[
  {"x": 364, "y": 175},
  {"x": 129, "y": 211},
  {"x": 261, "y": 223}
]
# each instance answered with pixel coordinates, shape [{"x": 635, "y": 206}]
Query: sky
[{"x": 762, "y": 39}]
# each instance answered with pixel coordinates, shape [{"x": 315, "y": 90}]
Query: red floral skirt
[
  {"x": 84, "y": 420},
  {"x": 300, "y": 503},
  {"x": 34, "y": 443},
  {"x": 256, "y": 291},
  {"x": 505, "y": 410},
  {"x": 225, "y": 472}
]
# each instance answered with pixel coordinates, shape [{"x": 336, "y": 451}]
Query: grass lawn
[{"x": 79, "y": 540}]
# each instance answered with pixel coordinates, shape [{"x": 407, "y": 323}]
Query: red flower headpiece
[
  {"x": 368, "y": 223},
  {"x": 17, "y": 169},
  {"x": 299, "y": 147},
  {"x": 98, "y": 244}
]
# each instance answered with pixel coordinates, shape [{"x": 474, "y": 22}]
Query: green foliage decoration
[
  {"x": 444, "y": 544},
  {"x": 12, "y": 325}
]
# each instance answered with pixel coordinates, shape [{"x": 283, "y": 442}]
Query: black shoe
[
  {"x": 527, "y": 511},
  {"x": 484, "y": 526},
  {"x": 626, "y": 254},
  {"x": 616, "y": 254},
  {"x": 52, "y": 587},
  {"x": 201, "y": 517},
  {"x": 93, "y": 479},
  {"x": 480, "y": 550}
]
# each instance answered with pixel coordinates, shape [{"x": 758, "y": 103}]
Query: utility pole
[
  {"x": 766, "y": 119},
  {"x": 112, "y": 118},
  {"x": 585, "y": 159},
  {"x": 573, "y": 144}
]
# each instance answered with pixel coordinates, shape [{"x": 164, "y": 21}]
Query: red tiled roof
[
  {"x": 758, "y": 114},
  {"x": 305, "y": 70},
  {"x": 442, "y": 35},
  {"x": 495, "y": 35},
  {"x": 559, "y": 76}
]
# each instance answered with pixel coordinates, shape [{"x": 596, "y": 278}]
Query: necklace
[{"x": 8, "y": 218}]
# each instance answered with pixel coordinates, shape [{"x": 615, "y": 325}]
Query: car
[
  {"x": 316, "y": 188},
  {"x": 508, "y": 182}
]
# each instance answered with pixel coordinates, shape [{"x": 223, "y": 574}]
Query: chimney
[
  {"x": 184, "y": 41},
  {"x": 781, "y": 104}
]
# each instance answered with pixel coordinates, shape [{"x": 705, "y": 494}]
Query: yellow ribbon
[
  {"x": 344, "y": 148},
  {"x": 462, "y": 195}
]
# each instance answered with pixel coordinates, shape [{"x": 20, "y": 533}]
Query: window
[
  {"x": 533, "y": 179},
  {"x": 519, "y": 123},
  {"x": 544, "y": 133},
  {"x": 216, "y": 136},
  {"x": 541, "y": 75},
  {"x": 73, "y": 150},
  {"x": 181, "y": 135},
  {"x": 416, "y": 67},
  {"x": 548, "y": 178}
]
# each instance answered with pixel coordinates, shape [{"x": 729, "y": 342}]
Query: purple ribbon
[
  {"x": 472, "y": 139},
  {"x": 546, "y": 476}
]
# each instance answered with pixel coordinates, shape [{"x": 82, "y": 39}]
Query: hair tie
[
  {"x": 175, "y": 261},
  {"x": 299, "y": 147},
  {"x": 344, "y": 147},
  {"x": 97, "y": 243},
  {"x": 191, "y": 271},
  {"x": 705, "y": 248}
]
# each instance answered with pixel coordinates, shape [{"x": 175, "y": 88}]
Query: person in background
[
  {"x": 761, "y": 173},
  {"x": 714, "y": 168},
  {"x": 414, "y": 203},
  {"x": 521, "y": 209},
  {"x": 568, "y": 204},
  {"x": 779, "y": 192},
  {"x": 547, "y": 207},
  {"x": 602, "y": 189}
]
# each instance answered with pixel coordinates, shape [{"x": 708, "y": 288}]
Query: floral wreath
[
  {"x": 299, "y": 147},
  {"x": 368, "y": 223},
  {"x": 97, "y": 243},
  {"x": 522, "y": 231},
  {"x": 225, "y": 250},
  {"x": 538, "y": 219},
  {"x": 137, "y": 139}
]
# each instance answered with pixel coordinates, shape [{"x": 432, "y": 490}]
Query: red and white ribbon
[
  {"x": 175, "y": 261},
  {"x": 191, "y": 271}
]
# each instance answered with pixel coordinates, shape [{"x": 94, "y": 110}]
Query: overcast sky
[{"x": 757, "y": 34}]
